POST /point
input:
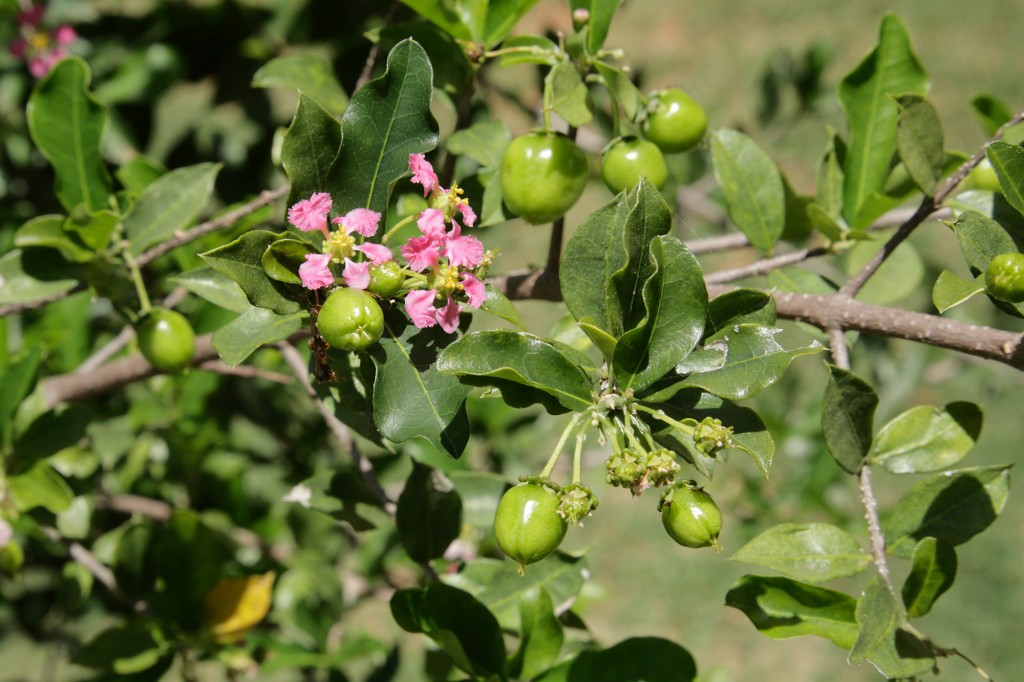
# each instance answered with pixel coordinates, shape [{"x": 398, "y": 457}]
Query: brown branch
[
  {"x": 245, "y": 371},
  {"x": 87, "y": 559}
]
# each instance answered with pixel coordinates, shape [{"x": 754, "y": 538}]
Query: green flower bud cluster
[
  {"x": 578, "y": 502},
  {"x": 710, "y": 436},
  {"x": 639, "y": 470}
]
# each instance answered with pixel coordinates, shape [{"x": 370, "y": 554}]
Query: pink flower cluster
[
  {"x": 442, "y": 264},
  {"x": 40, "y": 48}
]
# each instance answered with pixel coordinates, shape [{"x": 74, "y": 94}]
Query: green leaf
[
  {"x": 189, "y": 557},
  {"x": 1008, "y": 162},
  {"x": 754, "y": 361},
  {"x": 309, "y": 148},
  {"x": 932, "y": 574},
  {"x": 829, "y": 196},
  {"x": 429, "y": 514},
  {"x": 215, "y": 287},
  {"x": 502, "y": 16},
  {"x": 540, "y": 638},
  {"x": 453, "y": 72},
  {"x": 925, "y": 438},
  {"x": 479, "y": 492},
  {"x": 256, "y": 327},
  {"x": 891, "y": 68},
  {"x": 599, "y": 22},
  {"x": 751, "y": 185},
  {"x": 484, "y": 142},
  {"x": 457, "y": 622},
  {"x": 411, "y": 397},
  {"x": 387, "y": 119},
  {"x": 47, "y": 231},
  {"x": 991, "y": 112},
  {"x": 883, "y": 641},
  {"x": 282, "y": 259},
  {"x": 981, "y": 239},
  {"x": 847, "y": 413},
  {"x": 620, "y": 85},
  {"x": 133, "y": 560},
  {"x": 66, "y": 123},
  {"x": 138, "y": 173},
  {"x": 540, "y": 50},
  {"x": 899, "y": 276},
  {"x": 123, "y": 650},
  {"x": 93, "y": 228},
  {"x": 312, "y": 75},
  {"x": 783, "y": 608},
  {"x": 919, "y": 140},
  {"x": 811, "y": 552},
  {"x": 520, "y": 358},
  {"x": 740, "y": 306},
  {"x": 23, "y": 282},
  {"x": 441, "y": 13},
  {"x": 499, "y": 305},
  {"x": 950, "y": 291},
  {"x": 637, "y": 659},
  {"x": 242, "y": 261},
  {"x": 566, "y": 95},
  {"x": 168, "y": 205},
  {"x": 40, "y": 486},
  {"x": 675, "y": 300},
  {"x": 954, "y": 506}
]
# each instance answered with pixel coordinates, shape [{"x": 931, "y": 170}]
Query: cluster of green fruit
[{"x": 543, "y": 173}]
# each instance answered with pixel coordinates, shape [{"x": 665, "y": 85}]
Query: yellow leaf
[{"x": 235, "y": 605}]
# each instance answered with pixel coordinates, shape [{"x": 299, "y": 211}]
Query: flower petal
[
  {"x": 421, "y": 253},
  {"x": 377, "y": 253},
  {"x": 448, "y": 316},
  {"x": 362, "y": 220},
  {"x": 475, "y": 290},
  {"x": 356, "y": 275},
  {"x": 419, "y": 305},
  {"x": 423, "y": 173},
  {"x": 464, "y": 251},
  {"x": 315, "y": 273}
]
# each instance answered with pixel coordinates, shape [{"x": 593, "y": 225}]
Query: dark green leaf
[
  {"x": 133, "y": 561},
  {"x": 932, "y": 574},
  {"x": 169, "y": 204},
  {"x": 282, "y": 259},
  {"x": 484, "y": 142},
  {"x": 740, "y": 306},
  {"x": 953, "y": 506},
  {"x": 752, "y": 187},
  {"x": 411, "y": 398},
  {"x": 189, "y": 557},
  {"x": 309, "y": 148},
  {"x": 883, "y": 641},
  {"x": 799, "y": 281},
  {"x": 847, "y": 414},
  {"x": 138, "y": 173},
  {"x": 256, "y": 327},
  {"x": 387, "y": 119},
  {"x": 981, "y": 239},
  {"x": 215, "y": 287},
  {"x": 479, "y": 492},
  {"x": 925, "y": 438},
  {"x": 540, "y": 637},
  {"x": 47, "y": 231},
  {"x": 950, "y": 291},
  {"x": 429, "y": 515},
  {"x": 919, "y": 140},
  {"x": 444, "y": 15},
  {"x": 123, "y": 650},
  {"x": 502, "y": 16},
  {"x": 675, "y": 300},
  {"x": 891, "y": 68},
  {"x": 783, "y": 608},
  {"x": 312, "y": 75},
  {"x": 16, "y": 380},
  {"x": 94, "y": 229},
  {"x": 453, "y": 72},
  {"x": 242, "y": 261},
  {"x": 40, "y": 486},
  {"x": 1008, "y": 162},
  {"x": 67, "y": 124},
  {"x": 991, "y": 112},
  {"x": 811, "y": 552},
  {"x": 566, "y": 95},
  {"x": 497, "y": 304},
  {"x": 521, "y": 358},
  {"x": 457, "y": 622},
  {"x": 900, "y": 276},
  {"x": 638, "y": 659},
  {"x": 829, "y": 196}
]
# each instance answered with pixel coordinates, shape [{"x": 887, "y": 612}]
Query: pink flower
[
  {"x": 448, "y": 316},
  {"x": 360, "y": 220},
  {"x": 32, "y": 17},
  {"x": 315, "y": 273},
  {"x": 421, "y": 253},
  {"x": 310, "y": 214},
  {"x": 423, "y": 173},
  {"x": 475, "y": 290},
  {"x": 65, "y": 35},
  {"x": 462, "y": 250},
  {"x": 468, "y": 215},
  {"x": 431, "y": 223},
  {"x": 356, "y": 275},
  {"x": 419, "y": 304},
  {"x": 377, "y": 253}
]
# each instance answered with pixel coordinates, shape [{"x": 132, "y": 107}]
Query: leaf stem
[
  {"x": 577, "y": 457},
  {"x": 661, "y": 416},
  {"x": 553, "y": 459},
  {"x": 140, "y": 286}
]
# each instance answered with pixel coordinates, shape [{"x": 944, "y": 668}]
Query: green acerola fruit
[
  {"x": 691, "y": 517},
  {"x": 527, "y": 524},
  {"x": 629, "y": 159},
  {"x": 350, "y": 319},
  {"x": 166, "y": 340},
  {"x": 1004, "y": 277},
  {"x": 542, "y": 176},
  {"x": 675, "y": 122}
]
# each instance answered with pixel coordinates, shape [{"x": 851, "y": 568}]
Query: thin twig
[
  {"x": 371, "y": 58},
  {"x": 247, "y": 371},
  {"x": 87, "y": 559},
  {"x": 837, "y": 348},
  {"x": 724, "y": 242},
  {"x": 764, "y": 266}
]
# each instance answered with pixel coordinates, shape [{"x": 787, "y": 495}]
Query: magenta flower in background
[{"x": 37, "y": 46}]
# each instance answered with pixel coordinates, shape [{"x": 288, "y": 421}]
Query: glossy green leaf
[
  {"x": 66, "y": 123},
  {"x": 919, "y": 140},
  {"x": 499, "y": 305},
  {"x": 215, "y": 287},
  {"x": 797, "y": 225},
  {"x": 621, "y": 86},
  {"x": 740, "y": 306},
  {"x": 891, "y": 68},
  {"x": 309, "y": 148},
  {"x": 411, "y": 397},
  {"x": 933, "y": 572},
  {"x": 122, "y": 650},
  {"x": 429, "y": 514},
  {"x": 991, "y": 112},
  {"x": 453, "y": 71},
  {"x": 829, "y": 188},
  {"x": 637, "y": 659},
  {"x": 847, "y": 413},
  {"x": 540, "y": 638},
  {"x": 444, "y": 15},
  {"x": 310, "y": 74},
  {"x": 520, "y": 358},
  {"x": 457, "y": 622},
  {"x": 566, "y": 95},
  {"x": 168, "y": 205},
  {"x": 811, "y": 552},
  {"x": 241, "y": 337},
  {"x": 282, "y": 259},
  {"x": 40, "y": 486},
  {"x": 751, "y": 185},
  {"x": 484, "y": 142},
  {"x": 884, "y": 641},
  {"x": 1008, "y": 162},
  {"x": 242, "y": 261},
  {"x": 601, "y": 13},
  {"x": 47, "y": 232},
  {"x": 954, "y": 506},
  {"x": 981, "y": 239},
  {"x": 675, "y": 300},
  {"x": 925, "y": 439},
  {"x": 783, "y": 608},
  {"x": 501, "y": 18},
  {"x": 386, "y": 120},
  {"x": 950, "y": 291},
  {"x": 93, "y": 228},
  {"x": 754, "y": 361}
]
